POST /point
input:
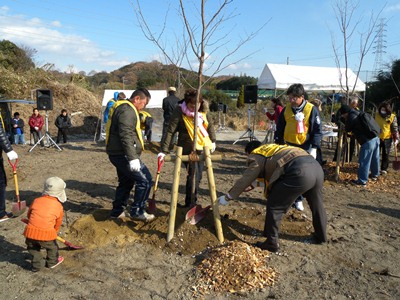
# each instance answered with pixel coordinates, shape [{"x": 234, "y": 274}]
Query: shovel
[
  {"x": 396, "y": 163},
  {"x": 19, "y": 207},
  {"x": 152, "y": 201},
  {"x": 68, "y": 244},
  {"x": 196, "y": 214}
]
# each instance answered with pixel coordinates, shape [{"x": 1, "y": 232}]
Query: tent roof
[
  {"x": 157, "y": 97},
  {"x": 280, "y": 77}
]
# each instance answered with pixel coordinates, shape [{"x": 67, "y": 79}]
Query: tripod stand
[
  {"x": 248, "y": 134},
  {"x": 50, "y": 141}
]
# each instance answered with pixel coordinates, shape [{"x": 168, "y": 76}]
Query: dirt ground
[{"x": 125, "y": 258}]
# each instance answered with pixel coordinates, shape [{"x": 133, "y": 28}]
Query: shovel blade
[
  {"x": 18, "y": 208},
  {"x": 199, "y": 215},
  {"x": 193, "y": 211}
]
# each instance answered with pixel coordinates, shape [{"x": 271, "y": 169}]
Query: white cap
[
  {"x": 171, "y": 88},
  {"x": 55, "y": 187}
]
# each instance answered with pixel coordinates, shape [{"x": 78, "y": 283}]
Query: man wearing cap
[
  {"x": 124, "y": 144},
  {"x": 368, "y": 158},
  {"x": 44, "y": 221},
  {"x": 168, "y": 106}
]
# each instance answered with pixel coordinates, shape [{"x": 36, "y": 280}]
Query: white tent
[
  {"x": 280, "y": 77},
  {"x": 157, "y": 97}
]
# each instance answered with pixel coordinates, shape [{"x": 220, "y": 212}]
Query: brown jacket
[
  {"x": 269, "y": 168},
  {"x": 177, "y": 124}
]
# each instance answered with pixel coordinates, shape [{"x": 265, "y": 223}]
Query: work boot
[{"x": 271, "y": 247}]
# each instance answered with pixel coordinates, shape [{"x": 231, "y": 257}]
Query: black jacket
[
  {"x": 5, "y": 144},
  {"x": 168, "y": 106},
  {"x": 63, "y": 122},
  {"x": 354, "y": 125},
  {"x": 20, "y": 124}
]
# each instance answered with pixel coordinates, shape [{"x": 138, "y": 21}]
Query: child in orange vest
[{"x": 45, "y": 217}]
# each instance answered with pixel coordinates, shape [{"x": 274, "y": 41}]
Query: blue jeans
[
  {"x": 142, "y": 181},
  {"x": 19, "y": 139},
  {"x": 368, "y": 159}
]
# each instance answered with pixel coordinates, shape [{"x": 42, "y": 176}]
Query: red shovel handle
[
  {"x": 160, "y": 162},
  {"x": 13, "y": 166}
]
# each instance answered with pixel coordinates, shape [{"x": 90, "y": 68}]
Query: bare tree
[
  {"x": 202, "y": 39},
  {"x": 350, "y": 30}
]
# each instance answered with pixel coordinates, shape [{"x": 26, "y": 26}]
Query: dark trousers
[
  {"x": 303, "y": 176},
  {"x": 384, "y": 148},
  {"x": 142, "y": 181},
  {"x": 193, "y": 168},
  {"x": 148, "y": 125},
  {"x": 34, "y": 247},
  {"x": 164, "y": 134},
  {"x": 3, "y": 183},
  {"x": 62, "y": 133},
  {"x": 37, "y": 135}
]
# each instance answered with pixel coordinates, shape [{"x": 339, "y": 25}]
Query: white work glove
[
  {"x": 223, "y": 200},
  {"x": 396, "y": 142},
  {"x": 265, "y": 110},
  {"x": 213, "y": 147},
  {"x": 12, "y": 155},
  {"x": 313, "y": 153},
  {"x": 134, "y": 165},
  {"x": 161, "y": 156},
  {"x": 36, "y": 128}
]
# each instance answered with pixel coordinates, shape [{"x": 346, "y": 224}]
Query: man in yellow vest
[
  {"x": 146, "y": 124},
  {"x": 288, "y": 172},
  {"x": 387, "y": 121},
  {"x": 299, "y": 125},
  {"x": 124, "y": 144}
]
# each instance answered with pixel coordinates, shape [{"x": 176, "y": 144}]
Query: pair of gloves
[{"x": 162, "y": 155}]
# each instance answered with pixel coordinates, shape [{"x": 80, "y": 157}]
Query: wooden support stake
[
  {"x": 174, "y": 194},
  {"x": 213, "y": 195},
  {"x": 339, "y": 152}
]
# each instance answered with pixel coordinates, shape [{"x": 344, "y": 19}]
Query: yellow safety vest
[
  {"x": 269, "y": 150},
  {"x": 108, "y": 125},
  {"x": 202, "y": 141},
  {"x": 143, "y": 116},
  {"x": 290, "y": 134},
  {"x": 384, "y": 124}
]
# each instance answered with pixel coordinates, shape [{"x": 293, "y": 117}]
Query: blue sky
[{"x": 104, "y": 35}]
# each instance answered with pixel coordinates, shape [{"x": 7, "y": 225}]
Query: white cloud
[
  {"x": 56, "y": 23},
  {"x": 392, "y": 8},
  {"x": 54, "y": 45}
]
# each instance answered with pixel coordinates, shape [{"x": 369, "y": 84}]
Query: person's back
[{"x": 169, "y": 103}]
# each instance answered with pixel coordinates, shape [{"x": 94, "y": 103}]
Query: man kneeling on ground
[{"x": 288, "y": 172}]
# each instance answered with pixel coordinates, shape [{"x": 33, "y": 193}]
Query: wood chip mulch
[{"x": 233, "y": 267}]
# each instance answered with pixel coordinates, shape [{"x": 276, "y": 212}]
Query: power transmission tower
[{"x": 380, "y": 46}]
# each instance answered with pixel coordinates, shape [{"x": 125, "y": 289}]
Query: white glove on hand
[
  {"x": 222, "y": 200},
  {"x": 36, "y": 128},
  {"x": 265, "y": 110},
  {"x": 161, "y": 156},
  {"x": 396, "y": 142},
  {"x": 12, "y": 155},
  {"x": 213, "y": 147},
  {"x": 134, "y": 165},
  {"x": 313, "y": 153}
]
